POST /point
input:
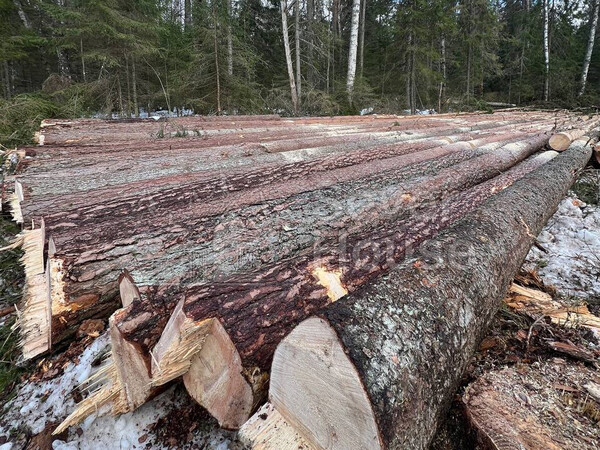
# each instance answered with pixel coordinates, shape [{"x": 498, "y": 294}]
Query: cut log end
[
  {"x": 128, "y": 290},
  {"x": 15, "y": 200},
  {"x": 204, "y": 355},
  {"x": 133, "y": 368},
  {"x": 35, "y": 318},
  {"x": 561, "y": 141},
  {"x": 316, "y": 388},
  {"x": 267, "y": 429},
  {"x": 215, "y": 380}
]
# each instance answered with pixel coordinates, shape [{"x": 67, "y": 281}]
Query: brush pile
[{"x": 391, "y": 240}]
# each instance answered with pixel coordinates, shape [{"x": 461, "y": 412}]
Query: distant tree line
[{"x": 296, "y": 56}]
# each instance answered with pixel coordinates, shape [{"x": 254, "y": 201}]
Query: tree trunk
[
  {"x": 216, "y": 51},
  {"x": 188, "y": 14},
  {"x": 83, "y": 74},
  {"x": 353, "y": 49},
  {"x": 7, "y": 81},
  {"x": 229, "y": 39},
  {"x": 362, "y": 36},
  {"x": 521, "y": 68},
  {"x": 546, "y": 52},
  {"x": 561, "y": 141},
  {"x": 390, "y": 356},
  {"x": 408, "y": 64},
  {"x": 469, "y": 62},
  {"x": 136, "y": 110},
  {"x": 335, "y": 24},
  {"x": 297, "y": 41},
  {"x": 590, "y": 47},
  {"x": 310, "y": 16},
  {"x": 128, "y": 109},
  {"x": 120, "y": 94},
  {"x": 443, "y": 70},
  {"x": 288, "y": 56},
  {"x": 21, "y": 13},
  {"x": 80, "y": 172}
]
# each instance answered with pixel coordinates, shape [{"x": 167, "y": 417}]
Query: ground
[{"x": 542, "y": 390}]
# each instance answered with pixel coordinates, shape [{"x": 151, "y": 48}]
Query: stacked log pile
[{"x": 217, "y": 236}]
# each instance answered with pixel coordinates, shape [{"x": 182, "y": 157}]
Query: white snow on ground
[
  {"x": 50, "y": 401},
  {"x": 572, "y": 241}
]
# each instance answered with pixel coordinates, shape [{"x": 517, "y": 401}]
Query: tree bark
[
  {"x": 257, "y": 308},
  {"x": 362, "y": 36},
  {"x": 310, "y": 17},
  {"x": 353, "y": 49},
  {"x": 546, "y": 51},
  {"x": 229, "y": 39},
  {"x": 78, "y": 190},
  {"x": 136, "y": 110},
  {"x": 298, "y": 56},
  {"x": 21, "y": 13},
  {"x": 83, "y": 73},
  {"x": 93, "y": 237},
  {"x": 443, "y": 70},
  {"x": 216, "y": 54},
  {"x": 403, "y": 342},
  {"x": 188, "y": 15},
  {"x": 288, "y": 56},
  {"x": 590, "y": 47}
]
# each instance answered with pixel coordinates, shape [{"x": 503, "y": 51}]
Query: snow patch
[
  {"x": 572, "y": 240},
  {"x": 38, "y": 403}
]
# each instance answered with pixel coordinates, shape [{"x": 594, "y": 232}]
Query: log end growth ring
[{"x": 318, "y": 391}]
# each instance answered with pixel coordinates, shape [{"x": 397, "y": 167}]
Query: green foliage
[
  {"x": 20, "y": 117},
  {"x": 12, "y": 276},
  {"x": 122, "y": 55}
]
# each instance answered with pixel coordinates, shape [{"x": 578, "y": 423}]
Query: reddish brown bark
[
  {"x": 410, "y": 334},
  {"x": 278, "y": 294}
]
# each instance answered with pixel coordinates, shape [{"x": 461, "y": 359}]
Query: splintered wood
[{"x": 207, "y": 240}]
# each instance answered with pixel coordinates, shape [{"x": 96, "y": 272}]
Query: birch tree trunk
[
  {"x": 22, "y": 15},
  {"x": 335, "y": 8},
  {"x": 288, "y": 56},
  {"x": 590, "y": 48},
  {"x": 546, "y": 53},
  {"x": 297, "y": 39},
  {"x": 443, "y": 70},
  {"x": 353, "y": 49}
]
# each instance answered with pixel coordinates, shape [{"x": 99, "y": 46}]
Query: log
[
  {"x": 255, "y": 314},
  {"x": 85, "y": 266},
  {"x": 378, "y": 368},
  {"x": 91, "y": 131},
  {"x": 78, "y": 175},
  {"x": 561, "y": 141},
  {"x": 348, "y": 208}
]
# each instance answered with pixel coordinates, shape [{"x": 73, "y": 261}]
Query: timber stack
[{"x": 353, "y": 261}]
